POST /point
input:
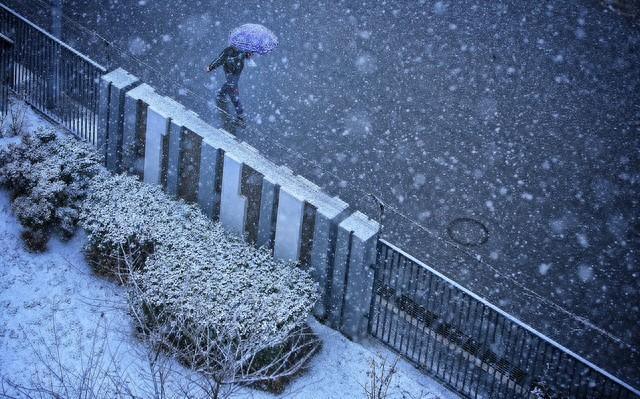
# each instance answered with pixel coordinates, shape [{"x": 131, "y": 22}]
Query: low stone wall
[{"x": 154, "y": 137}]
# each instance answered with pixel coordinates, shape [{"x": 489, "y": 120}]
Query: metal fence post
[
  {"x": 52, "y": 76},
  {"x": 6, "y": 71}
]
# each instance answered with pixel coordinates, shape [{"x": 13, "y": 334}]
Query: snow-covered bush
[
  {"x": 48, "y": 177},
  {"x": 3, "y": 118},
  {"x": 225, "y": 296},
  {"x": 12, "y": 122},
  {"x": 542, "y": 390}
]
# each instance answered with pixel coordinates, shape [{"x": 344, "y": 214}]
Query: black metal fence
[
  {"x": 51, "y": 76},
  {"x": 469, "y": 344},
  {"x": 6, "y": 69}
]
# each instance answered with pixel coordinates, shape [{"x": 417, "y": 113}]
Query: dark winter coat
[{"x": 232, "y": 61}]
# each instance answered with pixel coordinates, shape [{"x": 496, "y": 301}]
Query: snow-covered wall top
[
  {"x": 119, "y": 77},
  {"x": 219, "y": 138}
]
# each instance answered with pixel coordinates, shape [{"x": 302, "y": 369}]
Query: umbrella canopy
[{"x": 254, "y": 38}]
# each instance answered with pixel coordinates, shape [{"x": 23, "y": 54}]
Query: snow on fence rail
[{"x": 49, "y": 74}]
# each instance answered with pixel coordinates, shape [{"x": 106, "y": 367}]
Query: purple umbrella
[{"x": 254, "y": 38}]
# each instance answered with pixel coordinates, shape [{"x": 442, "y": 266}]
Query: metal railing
[
  {"x": 469, "y": 344},
  {"x": 6, "y": 69},
  {"x": 51, "y": 76}
]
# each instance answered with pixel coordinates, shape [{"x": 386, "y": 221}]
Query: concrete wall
[{"x": 157, "y": 139}]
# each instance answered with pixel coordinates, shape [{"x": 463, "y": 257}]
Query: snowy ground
[{"x": 52, "y": 307}]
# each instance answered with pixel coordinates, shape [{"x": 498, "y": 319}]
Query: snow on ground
[{"x": 53, "y": 307}]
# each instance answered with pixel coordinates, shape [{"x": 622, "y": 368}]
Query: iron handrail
[
  {"x": 515, "y": 320},
  {"x": 51, "y": 37}
]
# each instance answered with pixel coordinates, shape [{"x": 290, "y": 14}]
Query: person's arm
[{"x": 218, "y": 61}]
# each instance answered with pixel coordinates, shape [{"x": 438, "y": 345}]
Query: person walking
[
  {"x": 244, "y": 41},
  {"x": 232, "y": 61}
]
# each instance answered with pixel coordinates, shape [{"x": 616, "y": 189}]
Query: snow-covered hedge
[
  {"x": 190, "y": 270},
  {"x": 48, "y": 177},
  {"x": 208, "y": 295}
]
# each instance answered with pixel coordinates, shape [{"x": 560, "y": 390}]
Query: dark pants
[{"x": 231, "y": 90}]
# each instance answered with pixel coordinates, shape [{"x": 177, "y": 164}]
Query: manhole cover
[{"x": 468, "y": 232}]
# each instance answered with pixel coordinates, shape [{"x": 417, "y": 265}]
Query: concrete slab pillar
[
  {"x": 233, "y": 205},
  {"x": 209, "y": 183},
  {"x": 268, "y": 213},
  {"x": 173, "y": 161},
  {"x": 156, "y": 132},
  {"x": 135, "y": 122},
  {"x": 189, "y": 166},
  {"x": 111, "y": 112},
  {"x": 288, "y": 226},
  {"x": 353, "y": 274},
  {"x": 323, "y": 254},
  {"x": 251, "y": 189}
]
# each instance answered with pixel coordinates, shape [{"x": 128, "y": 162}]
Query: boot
[{"x": 240, "y": 122}]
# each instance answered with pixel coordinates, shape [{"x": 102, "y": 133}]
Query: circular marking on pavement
[{"x": 468, "y": 232}]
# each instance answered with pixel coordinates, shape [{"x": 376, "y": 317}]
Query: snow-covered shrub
[
  {"x": 542, "y": 390},
  {"x": 13, "y": 121},
  {"x": 35, "y": 240},
  {"x": 187, "y": 272},
  {"x": 48, "y": 177},
  {"x": 3, "y": 128},
  {"x": 126, "y": 219}
]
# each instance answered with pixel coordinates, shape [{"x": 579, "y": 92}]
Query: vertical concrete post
[
  {"x": 130, "y": 133},
  {"x": 323, "y": 252},
  {"x": 173, "y": 162},
  {"x": 134, "y": 129},
  {"x": 233, "y": 205},
  {"x": 288, "y": 226},
  {"x": 268, "y": 213},
  {"x": 111, "y": 113},
  {"x": 353, "y": 275},
  {"x": 251, "y": 189},
  {"x": 189, "y": 165},
  {"x": 157, "y": 129},
  {"x": 210, "y": 175}
]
